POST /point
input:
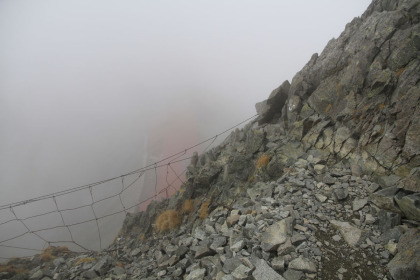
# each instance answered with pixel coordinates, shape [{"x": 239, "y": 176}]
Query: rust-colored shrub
[
  {"x": 328, "y": 108},
  {"x": 167, "y": 220},
  {"x": 51, "y": 252},
  {"x": 83, "y": 260},
  {"x": 204, "y": 209},
  {"x": 400, "y": 71},
  {"x": 263, "y": 161},
  {"x": 13, "y": 269},
  {"x": 188, "y": 205}
]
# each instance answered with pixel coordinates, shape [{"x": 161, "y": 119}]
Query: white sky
[{"x": 81, "y": 81}]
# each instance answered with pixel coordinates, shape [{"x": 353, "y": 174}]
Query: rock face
[{"x": 324, "y": 184}]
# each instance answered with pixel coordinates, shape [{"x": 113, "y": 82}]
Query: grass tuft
[
  {"x": 83, "y": 260},
  {"x": 263, "y": 161},
  {"x": 188, "y": 206},
  {"x": 204, "y": 209},
  {"x": 167, "y": 220}
]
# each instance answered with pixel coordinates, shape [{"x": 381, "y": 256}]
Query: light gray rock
[
  {"x": 385, "y": 199},
  {"x": 264, "y": 272},
  {"x": 242, "y": 272},
  {"x": 359, "y": 203},
  {"x": 276, "y": 234},
  {"x": 351, "y": 234},
  {"x": 260, "y": 190},
  {"x": 197, "y": 274},
  {"x": 303, "y": 264}
]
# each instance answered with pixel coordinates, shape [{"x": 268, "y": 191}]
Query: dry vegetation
[
  {"x": 167, "y": 220},
  {"x": 51, "y": 252},
  {"x": 13, "y": 269},
  {"x": 83, "y": 260},
  {"x": 263, "y": 161},
  {"x": 204, "y": 209},
  {"x": 188, "y": 206}
]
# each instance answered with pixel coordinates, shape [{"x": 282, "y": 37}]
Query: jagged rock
[
  {"x": 285, "y": 248},
  {"x": 203, "y": 251},
  {"x": 302, "y": 264},
  {"x": 387, "y": 220},
  {"x": 341, "y": 194},
  {"x": 320, "y": 197},
  {"x": 385, "y": 199},
  {"x": 274, "y": 104},
  {"x": 410, "y": 206},
  {"x": 278, "y": 264},
  {"x": 351, "y": 234},
  {"x": 359, "y": 203},
  {"x": 276, "y": 234},
  {"x": 197, "y": 274},
  {"x": 389, "y": 181},
  {"x": 264, "y": 272},
  {"x": 328, "y": 179},
  {"x": 292, "y": 274},
  {"x": 406, "y": 264},
  {"x": 260, "y": 190},
  {"x": 255, "y": 140},
  {"x": 242, "y": 272},
  {"x": 231, "y": 264}
]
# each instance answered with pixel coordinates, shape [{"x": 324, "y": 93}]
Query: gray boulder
[
  {"x": 406, "y": 264},
  {"x": 267, "y": 109}
]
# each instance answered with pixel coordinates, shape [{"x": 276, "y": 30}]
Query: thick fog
[{"x": 90, "y": 90}]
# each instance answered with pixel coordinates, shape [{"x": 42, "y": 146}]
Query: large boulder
[
  {"x": 406, "y": 264},
  {"x": 267, "y": 109}
]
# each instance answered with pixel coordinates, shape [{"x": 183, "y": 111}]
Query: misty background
[{"x": 89, "y": 88}]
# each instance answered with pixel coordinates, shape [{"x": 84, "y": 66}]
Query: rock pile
[{"x": 325, "y": 184}]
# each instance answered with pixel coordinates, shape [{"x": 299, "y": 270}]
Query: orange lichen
[
  {"x": 381, "y": 106},
  {"x": 167, "y": 220}
]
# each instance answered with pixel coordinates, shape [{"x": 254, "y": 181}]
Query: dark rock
[
  {"x": 387, "y": 220},
  {"x": 292, "y": 274},
  {"x": 328, "y": 179},
  {"x": 385, "y": 199},
  {"x": 341, "y": 194},
  {"x": 273, "y": 105},
  {"x": 203, "y": 251},
  {"x": 410, "y": 206}
]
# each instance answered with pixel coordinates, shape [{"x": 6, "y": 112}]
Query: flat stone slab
[
  {"x": 351, "y": 234},
  {"x": 275, "y": 235},
  {"x": 264, "y": 272}
]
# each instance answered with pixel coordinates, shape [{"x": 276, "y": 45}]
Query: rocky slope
[{"x": 325, "y": 184}]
